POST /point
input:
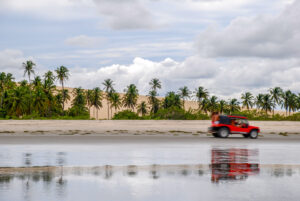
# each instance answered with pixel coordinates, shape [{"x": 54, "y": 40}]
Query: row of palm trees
[{"x": 40, "y": 96}]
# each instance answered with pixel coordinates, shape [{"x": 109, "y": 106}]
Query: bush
[
  {"x": 126, "y": 114},
  {"x": 2, "y": 113},
  {"x": 175, "y": 113},
  {"x": 78, "y": 111}
]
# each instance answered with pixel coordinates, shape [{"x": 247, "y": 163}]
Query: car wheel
[
  {"x": 223, "y": 132},
  {"x": 215, "y": 134},
  {"x": 253, "y": 134},
  {"x": 246, "y": 135}
]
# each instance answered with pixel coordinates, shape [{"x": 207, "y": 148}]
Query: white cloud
[
  {"x": 84, "y": 41},
  {"x": 223, "y": 78},
  {"x": 130, "y": 14},
  {"x": 11, "y": 61},
  {"x": 261, "y": 36}
]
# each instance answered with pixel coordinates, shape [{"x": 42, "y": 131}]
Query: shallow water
[{"x": 161, "y": 171}]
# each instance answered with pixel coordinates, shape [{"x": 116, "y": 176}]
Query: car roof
[{"x": 235, "y": 116}]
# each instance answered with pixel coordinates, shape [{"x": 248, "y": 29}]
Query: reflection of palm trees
[
  {"x": 154, "y": 172},
  {"x": 108, "y": 171},
  {"x": 61, "y": 161},
  {"x": 132, "y": 170}
]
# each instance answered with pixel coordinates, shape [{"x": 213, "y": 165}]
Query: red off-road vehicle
[{"x": 229, "y": 124}]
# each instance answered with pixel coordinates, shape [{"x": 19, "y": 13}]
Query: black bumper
[{"x": 213, "y": 129}]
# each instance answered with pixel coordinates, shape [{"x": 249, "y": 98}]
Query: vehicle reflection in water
[{"x": 233, "y": 164}]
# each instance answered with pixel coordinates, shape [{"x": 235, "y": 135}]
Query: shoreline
[{"x": 186, "y": 128}]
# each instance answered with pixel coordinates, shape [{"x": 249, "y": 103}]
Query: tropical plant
[
  {"x": 172, "y": 100},
  {"x": 213, "y": 104},
  {"x": 130, "y": 97},
  {"x": 222, "y": 106},
  {"x": 97, "y": 99},
  {"x": 62, "y": 74},
  {"x": 153, "y": 101},
  {"x": 89, "y": 99},
  {"x": 276, "y": 94},
  {"x": 286, "y": 100},
  {"x": 155, "y": 84},
  {"x": 184, "y": 93},
  {"x": 29, "y": 69},
  {"x": 201, "y": 94},
  {"x": 247, "y": 100},
  {"x": 259, "y": 101},
  {"x": 116, "y": 101},
  {"x": 108, "y": 87},
  {"x": 267, "y": 103},
  {"x": 233, "y": 105},
  {"x": 142, "y": 108}
]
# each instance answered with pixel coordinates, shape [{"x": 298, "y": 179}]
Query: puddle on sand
[{"x": 224, "y": 173}]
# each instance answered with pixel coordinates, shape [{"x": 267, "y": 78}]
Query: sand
[{"x": 171, "y": 128}]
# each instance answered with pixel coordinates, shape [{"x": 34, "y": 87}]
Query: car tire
[
  {"x": 246, "y": 135},
  {"x": 223, "y": 132},
  {"x": 215, "y": 134},
  {"x": 253, "y": 134}
]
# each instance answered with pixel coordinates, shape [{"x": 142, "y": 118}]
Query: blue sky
[{"x": 228, "y": 46}]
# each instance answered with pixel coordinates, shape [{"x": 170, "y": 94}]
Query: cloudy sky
[{"x": 227, "y": 46}]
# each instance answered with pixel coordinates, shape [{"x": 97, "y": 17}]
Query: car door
[{"x": 238, "y": 126}]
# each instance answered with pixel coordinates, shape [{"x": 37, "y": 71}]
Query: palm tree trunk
[
  {"x": 30, "y": 95},
  {"x": 62, "y": 85},
  {"x": 107, "y": 110},
  {"x": 111, "y": 114},
  {"x": 97, "y": 113}
]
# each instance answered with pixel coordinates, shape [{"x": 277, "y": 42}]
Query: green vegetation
[{"x": 38, "y": 98}]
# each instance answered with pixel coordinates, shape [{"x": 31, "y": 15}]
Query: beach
[{"x": 132, "y": 128}]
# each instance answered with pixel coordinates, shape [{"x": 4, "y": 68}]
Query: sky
[{"x": 227, "y": 46}]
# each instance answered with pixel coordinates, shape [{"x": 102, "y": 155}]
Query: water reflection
[{"x": 233, "y": 164}]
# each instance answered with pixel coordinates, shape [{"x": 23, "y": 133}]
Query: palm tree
[
  {"x": 155, "y": 84},
  {"x": 259, "y": 100},
  {"x": 2, "y": 86},
  {"x": 267, "y": 103},
  {"x": 89, "y": 99},
  {"x": 204, "y": 105},
  {"x": 108, "y": 86},
  {"x": 17, "y": 101},
  {"x": 276, "y": 94},
  {"x": 286, "y": 96},
  {"x": 153, "y": 101},
  {"x": 29, "y": 69},
  {"x": 184, "y": 92},
  {"x": 116, "y": 102},
  {"x": 37, "y": 81},
  {"x": 131, "y": 96},
  {"x": 293, "y": 103},
  {"x": 247, "y": 100},
  {"x": 213, "y": 104},
  {"x": 172, "y": 100},
  {"x": 201, "y": 94},
  {"x": 142, "y": 108},
  {"x": 39, "y": 100},
  {"x": 62, "y": 74},
  {"x": 233, "y": 105},
  {"x": 97, "y": 99},
  {"x": 49, "y": 87},
  {"x": 222, "y": 106}
]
